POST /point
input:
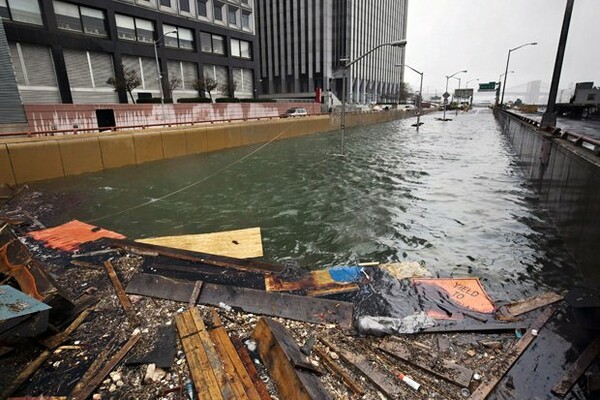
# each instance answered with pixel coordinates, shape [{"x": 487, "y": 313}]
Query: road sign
[
  {"x": 487, "y": 87},
  {"x": 446, "y": 95},
  {"x": 463, "y": 93}
]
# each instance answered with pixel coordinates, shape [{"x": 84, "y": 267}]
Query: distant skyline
[{"x": 445, "y": 36}]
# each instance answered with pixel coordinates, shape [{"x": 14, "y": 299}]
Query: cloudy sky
[{"x": 445, "y": 36}]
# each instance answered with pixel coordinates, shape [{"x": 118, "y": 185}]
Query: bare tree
[
  {"x": 205, "y": 84},
  {"x": 228, "y": 88},
  {"x": 174, "y": 83},
  {"x": 405, "y": 92},
  {"x": 128, "y": 82}
]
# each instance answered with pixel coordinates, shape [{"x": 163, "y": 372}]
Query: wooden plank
[
  {"x": 24, "y": 375},
  {"x": 385, "y": 383},
  {"x": 277, "y": 350},
  {"x": 91, "y": 385},
  {"x": 430, "y": 362},
  {"x": 55, "y": 340},
  {"x": 195, "y": 294},
  {"x": 247, "y": 362},
  {"x": 315, "y": 283},
  {"x": 486, "y": 387},
  {"x": 473, "y": 326},
  {"x": 94, "y": 367},
  {"x": 300, "y": 308},
  {"x": 240, "y": 243},
  {"x": 337, "y": 370},
  {"x": 529, "y": 304},
  {"x": 123, "y": 298},
  {"x": 575, "y": 370},
  {"x": 194, "y": 256}
]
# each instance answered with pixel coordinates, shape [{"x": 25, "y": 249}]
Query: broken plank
[
  {"x": 205, "y": 365},
  {"x": 315, "y": 283},
  {"x": 430, "y": 362},
  {"x": 575, "y": 370},
  {"x": 55, "y": 340},
  {"x": 529, "y": 304},
  {"x": 123, "y": 298},
  {"x": 486, "y": 387},
  {"x": 195, "y": 294},
  {"x": 279, "y": 352},
  {"x": 300, "y": 308},
  {"x": 474, "y": 326},
  {"x": 91, "y": 385},
  {"x": 259, "y": 385},
  {"x": 337, "y": 370},
  {"x": 239, "y": 243},
  {"x": 94, "y": 367},
  {"x": 194, "y": 256},
  {"x": 385, "y": 383},
  {"x": 24, "y": 375}
]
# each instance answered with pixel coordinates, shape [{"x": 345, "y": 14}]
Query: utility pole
[{"x": 549, "y": 117}]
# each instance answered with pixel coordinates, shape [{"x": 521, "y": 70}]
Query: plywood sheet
[
  {"x": 70, "y": 236},
  {"x": 241, "y": 243}
]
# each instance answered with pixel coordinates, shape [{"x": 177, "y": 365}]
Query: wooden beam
[
  {"x": 575, "y": 370},
  {"x": 488, "y": 385},
  {"x": 24, "y": 375},
  {"x": 203, "y": 258},
  {"x": 430, "y": 362},
  {"x": 99, "y": 361},
  {"x": 195, "y": 294},
  {"x": 280, "y": 353},
  {"x": 123, "y": 298},
  {"x": 385, "y": 383},
  {"x": 529, "y": 304},
  {"x": 300, "y": 308},
  {"x": 337, "y": 370},
  {"x": 91, "y": 385},
  {"x": 259, "y": 385},
  {"x": 239, "y": 243},
  {"x": 55, "y": 340}
]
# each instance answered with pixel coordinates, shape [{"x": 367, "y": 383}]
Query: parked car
[{"x": 295, "y": 112}]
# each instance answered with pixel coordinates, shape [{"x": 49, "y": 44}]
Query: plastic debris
[{"x": 379, "y": 326}]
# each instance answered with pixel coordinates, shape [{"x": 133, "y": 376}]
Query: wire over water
[{"x": 226, "y": 167}]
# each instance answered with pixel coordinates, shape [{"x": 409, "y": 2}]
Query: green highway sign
[{"x": 487, "y": 87}]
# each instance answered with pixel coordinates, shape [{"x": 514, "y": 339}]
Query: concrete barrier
[
  {"x": 567, "y": 178},
  {"x": 32, "y": 159}
]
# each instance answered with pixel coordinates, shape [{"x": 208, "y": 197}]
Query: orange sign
[{"x": 466, "y": 292}]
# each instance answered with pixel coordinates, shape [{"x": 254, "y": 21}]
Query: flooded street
[{"x": 450, "y": 196}]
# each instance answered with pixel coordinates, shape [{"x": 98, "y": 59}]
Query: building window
[
  {"x": 218, "y": 11},
  {"x": 591, "y": 96},
  {"x": 202, "y": 8},
  {"x": 216, "y": 72},
  {"x": 244, "y": 79},
  {"x": 246, "y": 19},
  {"x": 246, "y": 2},
  {"x": 182, "y": 74},
  {"x": 184, "y": 5},
  {"x": 27, "y": 11},
  {"x": 165, "y": 3},
  {"x": 145, "y": 68},
  {"x": 183, "y": 38},
  {"x": 240, "y": 48},
  {"x": 129, "y": 28},
  {"x": 75, "y": 18},
  {"x": 232, "y": 15},
  {"x": 212, "y": 43}
]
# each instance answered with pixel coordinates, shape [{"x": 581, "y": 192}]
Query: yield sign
[{"x": 446, "y": 95}]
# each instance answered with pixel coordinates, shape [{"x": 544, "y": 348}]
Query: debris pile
[{"x": 87, "y": 313}]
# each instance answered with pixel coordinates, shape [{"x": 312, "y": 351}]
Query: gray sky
[{"x": 445, "y": 36}]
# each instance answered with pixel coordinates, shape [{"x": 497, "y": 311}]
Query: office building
[
  {"x": 64, "y": 51},
  {"x": 303, "y": 41}
]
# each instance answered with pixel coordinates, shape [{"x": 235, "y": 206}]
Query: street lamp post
[
  {"x": 499, "y": 88},
  {"x": 458, "y": 97},
  {"x": 507, "y": 62},
  {"x": 420, "y": 109},
  {"x": 447, "y": 79},
  {"x": 162, "y": 95},
  {"x": 348, "y": 63}
]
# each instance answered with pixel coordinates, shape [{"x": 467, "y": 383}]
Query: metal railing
[{"x": 586, "y": 142}]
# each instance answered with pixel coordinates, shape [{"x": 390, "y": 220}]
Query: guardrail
[{"x": 586, "y": 142}]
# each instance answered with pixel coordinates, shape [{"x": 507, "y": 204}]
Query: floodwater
[{"x": 450, "y": 196}]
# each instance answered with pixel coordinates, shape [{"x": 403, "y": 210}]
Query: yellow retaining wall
[{"x": 32, "y": 159}]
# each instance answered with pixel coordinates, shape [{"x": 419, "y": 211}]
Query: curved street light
[
  {"x": 348, "y": 63},
  {"x": 420, "y": 110},
  {"x": 499, "y": 87},
  {"x": 162, "y": 95},
  {"x": 507, "y": 62},
  {"x": 447, "y": 79}
]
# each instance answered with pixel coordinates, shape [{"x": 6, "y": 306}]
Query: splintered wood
[{"x": 216, "y": 369}]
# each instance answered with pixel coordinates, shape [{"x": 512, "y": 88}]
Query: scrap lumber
[
  {"x": 430, "y": 362},
  {"x": 487, "y": 386},
  {"x": 89, "y": 386},
  {"x": 529, "y": 304},
  {"x": 335, "y": 369},
  {"x": 71, "y": 235},
  {"x": 50, "y": 343},
  {"x": 259, "y": 385},
  {"x": 208, "y": 372},
  {"x": 195, "y": 294},
  {"x": 281, "y": 355},
  {"x": 473, "y": 326},
  {"x": 300, "y": 308},
  {"x": 240, "y": 243},
  {"x": 94, "y": 367},
  {"x": 234, "y": 368},
  {"x": 123, "y": 298},
  {"x": 194, "y": 256},
  {"x": 385, "y": 383},
  {"x": 315, "y": 283},
  {"x": 575, "y": 370}
]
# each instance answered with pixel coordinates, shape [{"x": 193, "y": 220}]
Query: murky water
[{"x": 451, "y": 196}]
